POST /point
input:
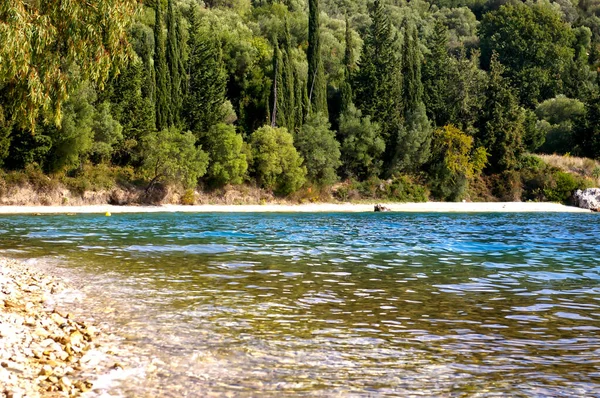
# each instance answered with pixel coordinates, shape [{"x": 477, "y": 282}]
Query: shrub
[
  {"x": 454, "y": 162},
  {"x": 561, "y": 186},
  {"x": 321, "y": 151},
  {"x": 275, "y": 162},
  {"x": 228, "y": 163},
  {"x": 188, "y": 197},
  {"x": 171, "y": 156},
  {"x": 403, "y": 189},
  {"x": 362, "y": 145},
  {"x": 507, "y": 186}
]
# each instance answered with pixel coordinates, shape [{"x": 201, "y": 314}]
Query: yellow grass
[{"x": 583, "y": 166}]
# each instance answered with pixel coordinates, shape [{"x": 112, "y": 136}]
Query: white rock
[{"x": 588, "y": 198}]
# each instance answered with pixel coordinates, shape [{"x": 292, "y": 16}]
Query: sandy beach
[{"x": 428, "y": 207}]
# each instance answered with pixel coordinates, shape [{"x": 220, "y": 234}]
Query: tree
[
  {"x": 346, "y": 88},
  {"x": 533, "y": 44},
  {"x": 316, "y": 84},
  {"x": 454, "y": 162},
  {"x": 465, "y": 91},
  {"x": 412, "y": 145},
  {"x": 320, "y": 150},
  {"x": 163, "y": 89},
  {"x": 134, "y": 111},
  {"x": 73, "y": 140},
  {"x": 377, "y": 84},
  {"x": 207, "y": 80},
  {"x": 228, "y": 163},
  {"x": 501, "y": 122},
  {"x": 106, "y": 133},
  {"x": 41, "y": 42},
  {"x": 587, "y": 129},
  {"x": 287, "y": 91},
  {"x": 556, "y": 121},
  {"x": 175, "y": 65},
  {"x": 171, "y": 156},
  {"x": 436, "y": 70},
  {"x": 362, "y": 146},
  {"x": 276, "y": 164}
]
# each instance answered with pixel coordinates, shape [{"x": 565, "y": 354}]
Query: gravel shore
[{"x": 43, "y": 352}]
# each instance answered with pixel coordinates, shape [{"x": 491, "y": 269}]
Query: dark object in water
[{"x": 379, "y": 207}]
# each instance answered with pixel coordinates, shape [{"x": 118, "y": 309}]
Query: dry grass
[{"x": 582, "y": 166}]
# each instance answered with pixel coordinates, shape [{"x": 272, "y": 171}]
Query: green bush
[
  {"x": 562, "y": 185},
  {"x": 275, "y": 162},
  {"x": 171, "y": 156},
  {"x": 228, "y": 163},
  {"x": 403, "y": 189},
  {"x": 321, "y": 151}
]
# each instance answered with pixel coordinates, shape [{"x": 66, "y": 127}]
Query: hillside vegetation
[{"x": 251, "y": 101}]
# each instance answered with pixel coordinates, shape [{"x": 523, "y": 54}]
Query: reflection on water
[{"x": 348, "y": 304}]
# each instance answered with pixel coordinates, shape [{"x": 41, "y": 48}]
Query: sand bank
[{"x": 428, "y": 207}]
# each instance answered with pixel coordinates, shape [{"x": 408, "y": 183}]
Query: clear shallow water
[{"x": 336, "y": 304}]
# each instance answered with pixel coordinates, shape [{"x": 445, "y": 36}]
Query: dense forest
[{"x": 401, "y": 100}]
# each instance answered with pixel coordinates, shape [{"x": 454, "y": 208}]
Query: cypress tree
[
  {"x": 316, "y": 84},
  {"x": 287, "y": 79},
  {"x": 174, "y": 62},
  {"x": 300, "y": 99},
  {"x": 414, "y": 136},
  {"x": 501, "y": 122},
  {"x": 346, "y": 88},
  {"x": 278, "y": 115},
  {"x": 435, "y": 77},
  {"x": 163, "y": 93},
  {"x": 207, "y": 80},
  {"x": 376, "y": 85}
]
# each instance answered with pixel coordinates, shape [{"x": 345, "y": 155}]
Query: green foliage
[
  {"x": 436, "y": 70},
  {"x": 534, "y": 45},
  {"x": 133, "y": 109},
  {"x": 560, "y": 109},
  {"x": 224, "y": 69},
  {"x": 399, "y": 188},
  {"x": 41, "y": 42},
  {"x": 454, "y": 163},
  {"x": 72, "y": 142},
  {"x": 90, "y": 178},
  {"x": 316, "y": 83},
  {"x": 501, "y": 123},
  {"x": 533, "y": 136},
  {"x": 411, "y": 149},
  {"x": 377, "y": 84},
  {"x": 203, "y": 105},
  {"x": 163, "y": 87},
  {"x": 228, "y": 163},
  {"x": 561, "y": 187},
  {"x": 586, "y": 135},
  {"x": 174, "y": 60},
  {"x": 362, "y": 146},
  {"x": 275, "y": 162},
  {"x": 556, "y": 118},
  {"x": 402, "y": 188},
  {"x": 106, "y": 133},
  {"x": 320, "y": 150},
  {"x": 171, "y": 156}
]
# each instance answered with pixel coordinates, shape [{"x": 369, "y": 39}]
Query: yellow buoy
[{"x": 107, "y": 214}]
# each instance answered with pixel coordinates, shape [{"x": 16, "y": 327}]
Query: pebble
[{"x": 39, "y": 347}]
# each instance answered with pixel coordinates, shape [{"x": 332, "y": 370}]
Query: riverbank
[
  {"x": 43, "y": 352},
  {"x": 427, "y": 207}
]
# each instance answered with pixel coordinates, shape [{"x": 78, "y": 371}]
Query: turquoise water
[{"x": 367, "y": 304}]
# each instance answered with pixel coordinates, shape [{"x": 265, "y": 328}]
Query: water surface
[{"x": 336, "y": 304}]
